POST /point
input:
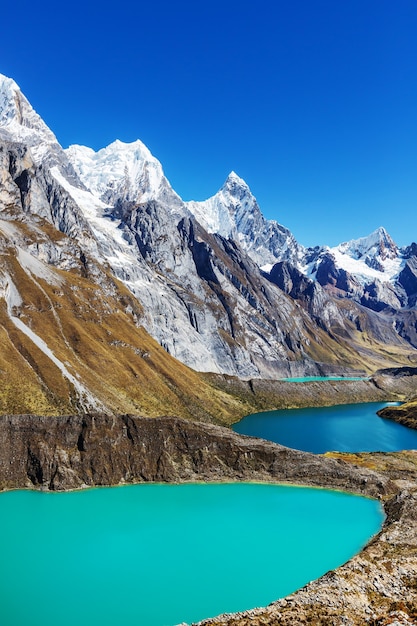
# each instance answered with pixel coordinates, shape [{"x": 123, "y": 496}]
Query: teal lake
[
  {"x": 158, "y": 555},
  {"x": 345, "y": 428}
]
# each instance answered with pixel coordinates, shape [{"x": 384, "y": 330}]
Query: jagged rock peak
[
  {"x": 126, "y": 171},
  {"x": 367, "y": 269},
  {"x": 220, "y": 213},
  {"x": 234, "y": 182},
  {"x": 19, "y": 121},
  {"x": 234, "y": 213},
  {"x": 377, "y": 243}
]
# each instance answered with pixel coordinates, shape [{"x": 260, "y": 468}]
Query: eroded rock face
[
  {"x": 408, "y": 280},
  {"x": 59, "y": 453}
]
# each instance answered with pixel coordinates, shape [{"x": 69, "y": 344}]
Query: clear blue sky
[{"x": 312, "y": 102}]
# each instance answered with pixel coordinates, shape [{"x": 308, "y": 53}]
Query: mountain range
[{"x": 115, "y": 294}]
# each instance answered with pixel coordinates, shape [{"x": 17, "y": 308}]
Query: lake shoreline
[
  {"x": 378, "y": 585},
  {"x": 91, "y": 450},
  {"x": 147, "y": 532},
  {"x": 258, "y": 395},
  {"x": 343, "y": 428}
]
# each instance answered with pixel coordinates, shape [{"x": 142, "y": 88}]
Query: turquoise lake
[
  {"x": 158, "y": 555},
  {"x": 345, "y": 428}
]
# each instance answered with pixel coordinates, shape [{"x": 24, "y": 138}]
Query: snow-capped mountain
[
  {"x": 370, "y": 270},
  {"x": 193, "y": 269},
  {"x": 373, "y": 257},
  {"x": 196, "y": 298},
  {"x": 122, "y": 171},
  {"x": 233, "y": 213},
  {"x": 375, "y": 250},
  {"x": 19, "y": 122}
]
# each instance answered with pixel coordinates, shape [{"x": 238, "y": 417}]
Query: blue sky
[{"x": 312, "y": 102}]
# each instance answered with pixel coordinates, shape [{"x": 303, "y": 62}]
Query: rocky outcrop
[
  {"x": 328, "y": 274},
  {"x": 59, "y": 453},
  {"x": 406, "y": 414}
]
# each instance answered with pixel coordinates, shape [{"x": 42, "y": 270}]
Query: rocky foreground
[{"x": 378, "y": 586}]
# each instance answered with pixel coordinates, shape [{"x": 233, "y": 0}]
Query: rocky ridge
[
  {"x": 371, "y": 270},
  {"x": 234, "y": 213},
  {"x": 75, "y": 451},
  {"x": 201, "y": 295}
]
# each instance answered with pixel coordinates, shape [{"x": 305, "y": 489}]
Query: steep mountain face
[
  {"x": 71, "y": 334},
  {"x": 192, "y": 291},
  {"x": 19, "y": 122},
  {"x": 377, "y": 251},
  {"x": 234, "y": 214},
  {"x": 110, "y": 234},
  {"x": 123, "y": 172},
  {"x": 372, "y": 270}
]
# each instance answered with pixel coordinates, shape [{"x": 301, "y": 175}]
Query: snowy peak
[
  {"x": 121, "y": 171},
  {"x": 234, "y": 184},
  {"x": 20, "y": 122},
  {"x": 378, "y": 244},
  {"x": 9, "y": 101},
  {"x": 368, "y": 269},
  {"x": 236, "y": 194},
  {"x": 375, "y": 256},
  {"x": 233, "y": 212},
  {"x": 220, "y": 213}
]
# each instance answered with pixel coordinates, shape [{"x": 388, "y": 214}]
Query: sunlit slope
[
  {"x": 72, "y": 340},
  {"x": 69, "y": 342}
]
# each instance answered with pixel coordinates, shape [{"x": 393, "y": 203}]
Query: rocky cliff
[{"x": 76, "y": 451}]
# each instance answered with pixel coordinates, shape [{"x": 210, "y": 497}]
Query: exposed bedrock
[{"x": 59, "y": 453}]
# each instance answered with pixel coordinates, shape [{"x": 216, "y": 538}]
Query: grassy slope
[{"x": 94, "y": 329}]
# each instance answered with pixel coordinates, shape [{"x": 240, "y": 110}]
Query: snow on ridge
[
  {"x": 377, "y": 240},
  {"x": 362, "y": 271},
  {"x": 8, "y": 93},
  {"x": 235, "y": 179},
  {"x": 218, "y": 213},
  {"x": 213, "y": 215},
  {"x": 115, "y": 249},
  {"x": 374, "y": 257},
  {"x": 127, "y": 168},
  {"x": 20, "y": 121},
  {"x": 93, "y": 209}
]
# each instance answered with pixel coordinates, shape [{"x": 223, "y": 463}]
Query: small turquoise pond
[
  {"x": 345, "y": 428},
  {"x": 158, "y": 555}
]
